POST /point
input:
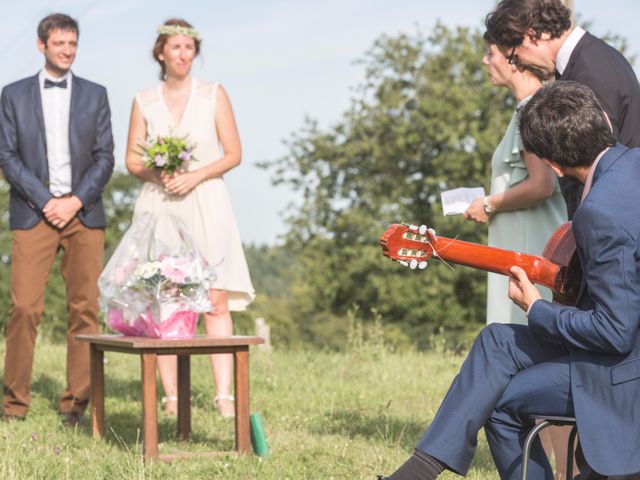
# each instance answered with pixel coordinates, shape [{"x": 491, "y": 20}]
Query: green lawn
[{"x": 327, "y": 416}]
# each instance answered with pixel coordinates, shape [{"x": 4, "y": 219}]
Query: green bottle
[{"x": 258, "y": 438}]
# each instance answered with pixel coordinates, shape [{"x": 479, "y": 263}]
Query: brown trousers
[{"x": 33, "y": 254}]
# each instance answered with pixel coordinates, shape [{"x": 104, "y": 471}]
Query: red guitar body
[{"x": 557, "y": 268}]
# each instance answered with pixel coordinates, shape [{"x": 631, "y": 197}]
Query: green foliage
[{"x": 426, "y": 119}]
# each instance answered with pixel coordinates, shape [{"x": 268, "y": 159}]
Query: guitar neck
[{"x": 539, "y": 269}]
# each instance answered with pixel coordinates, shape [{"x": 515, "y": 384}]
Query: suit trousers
[
  {"x": 33, "y": 254},
  {"x": 509, "y": 375}
]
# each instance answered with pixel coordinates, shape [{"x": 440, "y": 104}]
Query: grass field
[{"x": 327, "y": 416}]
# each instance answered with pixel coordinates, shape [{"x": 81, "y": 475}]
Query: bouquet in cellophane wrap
[{"x": 156, "y": 282}]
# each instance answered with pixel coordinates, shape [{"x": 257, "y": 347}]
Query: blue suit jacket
[
  {"x": 23, "y": 151},
  {"x": 602, "y": 331}
]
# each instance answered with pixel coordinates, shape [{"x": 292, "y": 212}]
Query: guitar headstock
[{"x": 410, "y": 245}]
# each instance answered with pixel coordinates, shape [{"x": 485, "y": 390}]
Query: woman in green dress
[
  {"x": 525, "y": 205},
  {"x": 524, "y": 208}
]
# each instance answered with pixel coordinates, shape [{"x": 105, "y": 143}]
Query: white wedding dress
[{"x": 206, "y": 210}]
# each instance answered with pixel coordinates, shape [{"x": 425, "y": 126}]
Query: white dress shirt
[
  {"x": 56, "y": 103},
  {"x": 564, "y": 54}
]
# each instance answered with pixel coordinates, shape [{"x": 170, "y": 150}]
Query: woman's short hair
[
  {"x": 564, "y": 122},
  {"x": 162, "y": 40}
]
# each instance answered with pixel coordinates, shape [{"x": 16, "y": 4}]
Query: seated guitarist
[{"x": 581, "y": 361}]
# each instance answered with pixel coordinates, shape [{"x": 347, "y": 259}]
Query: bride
[{"x": 183, "y": 106}]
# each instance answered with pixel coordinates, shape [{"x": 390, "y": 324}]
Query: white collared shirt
[
  {"x": 564, "y": 54},
  {"x": 56, "y": 103},
  {"x": 592, "y": 170}
]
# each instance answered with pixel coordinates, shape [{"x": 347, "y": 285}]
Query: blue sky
[{"x": 280, "y": 61}]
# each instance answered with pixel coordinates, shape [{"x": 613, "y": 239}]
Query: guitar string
[{"x": 436, "y": 253}]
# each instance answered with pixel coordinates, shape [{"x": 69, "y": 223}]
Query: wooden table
[{"x": 149, "y": 349}]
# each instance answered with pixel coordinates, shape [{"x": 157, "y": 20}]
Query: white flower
[{"x": 147, "y": 270}]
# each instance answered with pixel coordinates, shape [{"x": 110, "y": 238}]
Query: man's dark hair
[
  {"x": 564, "y": 122},
  {"x": 56, "y": 21},
  {"x": 512, "y": 19}
]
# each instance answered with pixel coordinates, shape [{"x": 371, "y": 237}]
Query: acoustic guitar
[{"x": 557, "y": 268}]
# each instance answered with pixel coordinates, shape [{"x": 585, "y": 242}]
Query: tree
[{"x": 425, "y": 119}]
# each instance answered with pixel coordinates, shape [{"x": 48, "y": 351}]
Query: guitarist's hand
[
  {"x": 521, "y": 290},
  {"x": 476, "y": 211}
]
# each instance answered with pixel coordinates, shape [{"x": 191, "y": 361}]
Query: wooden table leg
[
  {"x": 97, "y": 390},
  {"x": 149, "y": 407},
  {"x": 184, "y": 397},
  {"x": 241, "y": 382}
]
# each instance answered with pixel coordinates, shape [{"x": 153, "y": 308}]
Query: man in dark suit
[
  {"x": 56, "y": 151},
  {"x": 581, "y": 361},
  {"x": 537, "y": 34}
]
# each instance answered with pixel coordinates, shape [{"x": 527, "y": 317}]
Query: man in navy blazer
[
  {"x": 581, "y": 361},
  {"x": 537, "y": 34},
  {"x": 56, "y": 151}
]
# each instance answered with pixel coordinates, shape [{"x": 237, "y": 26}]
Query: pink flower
[
  {"x": 120, "y": 274},
  {"x": 175, "y": 269},
  {"x": 160, "y": 160},
  {"x": 174, "y": 274}
]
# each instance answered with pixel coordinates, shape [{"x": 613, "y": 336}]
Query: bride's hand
[
  {"x": 157, "y": 177},
  {"x": 181, "y": 183}
]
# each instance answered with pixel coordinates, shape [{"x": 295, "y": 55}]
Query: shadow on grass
[
  {"x": 123, "y": 428},
  {"x": 386, "y": 428},
  {"x": 47, "y": 387},
  {"x": 123, "y": 416},
  {"x": 393, "y": 431}
]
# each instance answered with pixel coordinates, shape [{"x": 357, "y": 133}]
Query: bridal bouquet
[
  {"x": 166, "y": 153},
  {"x": 156, "y": 282}
]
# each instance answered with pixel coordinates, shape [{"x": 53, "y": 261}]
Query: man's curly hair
[{"x": 512, "y": 19}]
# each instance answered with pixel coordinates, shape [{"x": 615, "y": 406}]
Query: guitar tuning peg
[
  {"x": 413, "y": 264},
  {"x": 403, "y": 263},
  {"x": 432, "y": 232},
  {"x": 422, "y": 265},
  {"x": 413, "y": 227},
  {"x": 422, "y": 230}
]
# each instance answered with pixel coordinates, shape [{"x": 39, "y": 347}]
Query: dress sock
[{"x": 420, "y": 466}]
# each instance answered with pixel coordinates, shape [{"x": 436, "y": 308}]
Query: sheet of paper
[{"x": 456, "y": 201}]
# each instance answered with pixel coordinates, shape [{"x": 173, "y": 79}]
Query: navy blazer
[
  {"x": 601, "y": 333},
  {"x": 23, "y": 151}
]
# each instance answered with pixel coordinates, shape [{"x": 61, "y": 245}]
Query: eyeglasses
[{"x": 512, "y": 59}]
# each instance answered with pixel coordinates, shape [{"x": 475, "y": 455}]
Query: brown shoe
[
  {"x": 6, "y": 418},
  {"x": 72, "y": 419}
]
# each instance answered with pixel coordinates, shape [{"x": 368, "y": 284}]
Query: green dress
[{"x": 526, "y": 230}]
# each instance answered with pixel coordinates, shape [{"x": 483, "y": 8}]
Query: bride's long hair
[{"x": 162, "y": 40}]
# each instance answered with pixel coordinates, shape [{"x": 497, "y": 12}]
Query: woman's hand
[
  {"x": 476, "y": 211},
  {"x": 180, "y": 183}
]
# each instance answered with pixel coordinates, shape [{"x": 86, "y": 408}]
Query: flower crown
[{"x": 178, "y": 30}]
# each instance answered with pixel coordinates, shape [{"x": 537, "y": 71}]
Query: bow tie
[{"x": 50, "y": 84}]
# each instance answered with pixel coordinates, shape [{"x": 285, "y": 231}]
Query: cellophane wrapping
[{"x": 156, "y": 282}]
